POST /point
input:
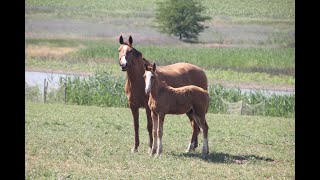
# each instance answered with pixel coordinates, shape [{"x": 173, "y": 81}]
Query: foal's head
[
  {"x": 127, "y": 53},
  {"x": 149, "y": 75}
]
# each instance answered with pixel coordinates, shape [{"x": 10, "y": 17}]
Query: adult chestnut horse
[
  {"x": 164, "y": 99},
  {"x": 175, "y": 75}
]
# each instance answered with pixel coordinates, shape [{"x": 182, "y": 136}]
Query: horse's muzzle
[
  {"x": 147, "y": 91},
  {"x": 124, "y": 67}
]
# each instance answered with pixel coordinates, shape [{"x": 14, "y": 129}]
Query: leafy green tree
[{"x": 181, "y": 18}]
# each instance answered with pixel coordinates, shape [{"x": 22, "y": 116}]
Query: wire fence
[{"x": 103, "y": 89}]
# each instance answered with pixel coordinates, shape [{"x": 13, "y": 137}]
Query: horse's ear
[
  {"x": 121, "y": 40},
  {"x": 130, "y": 41},
  {"x": 154, "y": 67},
  {"x": 145, "y": 66}
]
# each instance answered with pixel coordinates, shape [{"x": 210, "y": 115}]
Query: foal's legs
[
  {"x": 155, "y": 118},
  {"x": 195, "y": 132},
  {"x": 160, "y": 133},
  {"x": 135, "y": 114},
  {"x": 204, "y": 126},
  {"x": 149, "y": 126}
]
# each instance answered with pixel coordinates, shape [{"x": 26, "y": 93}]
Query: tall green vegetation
[
  {"x": 181, "y": 18},
  {"x": 104, "y": 89},
  {"x": 101, "y": 89}
]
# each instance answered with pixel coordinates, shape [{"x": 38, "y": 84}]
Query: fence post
[
  {"x": 45, "y": 86},
  {"x": 241, "y": 107},
  {"x": 65, "y": 93}
]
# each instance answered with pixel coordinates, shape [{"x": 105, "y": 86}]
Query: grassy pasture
[
  {"x": 81, "y": 142},
  {"x": 278, "y": 60},
  {"x": 274, "y": 9}
]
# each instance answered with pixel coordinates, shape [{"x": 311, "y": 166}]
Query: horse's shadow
[{"x": 218, "y": 157}]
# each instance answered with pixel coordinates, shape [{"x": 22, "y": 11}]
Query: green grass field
[
  {"x": 257, "y": 66},
  {"x": 82, "y": 142},
  {"x": 274, "y": 9},
  {"x": 248, "y": 43},
  {"x": 257, "y": 38}
]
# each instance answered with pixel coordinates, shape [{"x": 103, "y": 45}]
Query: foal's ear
[
  {"x": 154, "y": 67},
  {"x": 130, "y": 41},
  {"x": 121, "y": 40},
  {"x": 145, "y": 66}
]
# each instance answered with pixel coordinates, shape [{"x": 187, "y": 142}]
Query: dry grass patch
[{"x": 46, "y": 51}]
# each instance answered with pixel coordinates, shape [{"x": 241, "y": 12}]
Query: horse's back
[{"x": 182, "y": 74}]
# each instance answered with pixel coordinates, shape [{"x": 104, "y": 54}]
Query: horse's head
[
  {"x": 149, "y": 75},
  {"x": 126, "y": 53}
]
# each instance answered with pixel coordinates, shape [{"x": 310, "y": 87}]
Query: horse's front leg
[
  {"x": 160, "y": 133},
  {"x": 149, "y": 127},
  {"x": 135, "y": 114},
  {"x": 155, "y": 118}
]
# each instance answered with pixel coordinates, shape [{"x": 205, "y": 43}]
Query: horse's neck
[
  {"x": 135, "y": 74},
  {"x": 158, "y": 87}
]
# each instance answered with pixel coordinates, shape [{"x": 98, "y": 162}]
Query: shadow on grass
[
  {"x": 191, "y": 41},
  {"x": 225, "y": 158}
]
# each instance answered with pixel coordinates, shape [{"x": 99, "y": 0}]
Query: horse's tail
[{"x": 207, "y": 92}]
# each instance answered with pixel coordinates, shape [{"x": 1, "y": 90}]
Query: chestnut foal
[{"x": 164, "y": 99}]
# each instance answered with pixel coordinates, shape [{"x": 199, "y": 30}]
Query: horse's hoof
[
  {"x": 157, "y": 155},
  {"x": 205, "y": 156},
  {"x": 152, "y": 152},
  {"x": 134, "y": 150},
  {"x": 188, "y": 150}
]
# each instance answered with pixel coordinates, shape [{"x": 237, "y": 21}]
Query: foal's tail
[{"x": 208, "y": 100}]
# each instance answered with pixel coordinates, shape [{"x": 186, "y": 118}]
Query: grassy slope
[
  {"x": 65, "y": 141},
  {"x": 274, "y": 9},
  {"x": 236, "y": 64},
  {"x": 235, "y": 58},
  {"x": 244, "y": 16}
]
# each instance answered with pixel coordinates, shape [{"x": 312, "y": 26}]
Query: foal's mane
[{"x": 163, "y": 83}]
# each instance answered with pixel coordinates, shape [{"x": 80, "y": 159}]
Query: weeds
[
  {"x": 105, "y": 89},
  {"x": 101, "y": 89}
]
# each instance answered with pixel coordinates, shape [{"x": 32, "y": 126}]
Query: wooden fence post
[
  {"x": 65, "y": 93},
  {"x": 45, "y": 88}
]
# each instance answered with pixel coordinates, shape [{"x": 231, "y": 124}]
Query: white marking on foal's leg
[
  {"x": 154, "y": 148},
  {"x": 205, "y": 148},
  {"x": 159, "y": 150},
  {"x": 190, "y": 147}
]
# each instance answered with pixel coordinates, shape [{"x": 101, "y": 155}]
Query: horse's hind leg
[
  {"x": 195, "y": 132},
  {"x": 204, "y": 126}
]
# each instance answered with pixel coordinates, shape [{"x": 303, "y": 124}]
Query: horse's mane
[
  {"x": 135, "y": 52},
  {"x": 146, "y": 61}
]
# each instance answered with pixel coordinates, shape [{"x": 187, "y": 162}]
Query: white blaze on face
[
  {"x": 123, "y": 60},
  {"x": 148, "y": 82}
]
